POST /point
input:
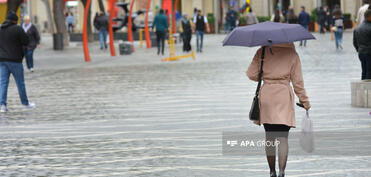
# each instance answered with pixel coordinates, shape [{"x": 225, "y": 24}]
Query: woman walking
[
  {"x": 34, "y": 37},
  {"x": 338, "y": 27},
  {"x": 277, "y": 98}
]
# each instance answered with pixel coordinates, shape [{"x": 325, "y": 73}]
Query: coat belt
[{"x": 285, "y": 82}]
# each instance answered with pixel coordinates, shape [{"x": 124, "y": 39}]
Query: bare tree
[
  {"x": 59, "y": 20},
  {"x": 101, "y": 5},
  {"x": 49, "y": 14},
  {"x": 13, "y": 5},
  {"x": 89, "y": 29}
]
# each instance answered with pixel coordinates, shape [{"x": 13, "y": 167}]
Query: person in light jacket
[
  {"x": 276, "y": 98},
  {"x": 34, "y": 37},
  {"x": 251, "y": 18},
  {"x": 361, "y": 12}
]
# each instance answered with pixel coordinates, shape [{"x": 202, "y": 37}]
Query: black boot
[{"x": 273, "y": 174}]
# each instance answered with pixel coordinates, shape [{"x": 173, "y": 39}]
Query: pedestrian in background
[
  {"x": 361, "y": 11},
  {"x": 304, "y": 20},
  {"x": 101, "y": 24},
  {"x": 321, "y": 19},
  {"x": 187, "y": 33},
  {"x": 199, "y": 25},
  {"x": 338, "y": 27},
  {"x": 161, "y": 24},
  {"x": 278, "y": 17},
  {"x": 13, "y": 39},
  {"x": 251, "y": 18},
  {"x": 277, "y": 98},
  {"x": 70, "y": 22},
  {"x": 362, "y": 43},
  {"x": 328, "y": 19},
  {"x": 232, "y": 18},
  {"x": 178, "y": 19},
  {"x": 291, "y": 17},
  {"x": 34, "y": 38}
]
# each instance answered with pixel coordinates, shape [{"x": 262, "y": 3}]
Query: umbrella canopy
[{"x": 267, "y": 33}]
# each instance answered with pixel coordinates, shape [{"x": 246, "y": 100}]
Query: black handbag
[{"x": 254, "y": 114}]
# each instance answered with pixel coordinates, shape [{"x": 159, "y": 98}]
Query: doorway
[
  {"x": 331, "y": 3},
  {"x": 281, "y": 4}
]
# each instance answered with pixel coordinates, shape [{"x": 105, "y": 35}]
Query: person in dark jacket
[
  {"x": 362, "y": 43},
  {"x": 231, "y": 18},
  {"x": 328, "y": 20},
  {"x": 187, "y": 33},
  {"x": 101, "y": 24},
  {"x": 34, "y": 36},
  {"x": 161, "y": 24},
  {"x": 199, "y": 25},
  {"x": 304, "y": 20},
  {"x": 13, "y": 39},
  {"x": 321, "y": 20}
]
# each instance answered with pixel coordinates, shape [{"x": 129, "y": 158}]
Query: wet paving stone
[{"x": 137, "y": 116}]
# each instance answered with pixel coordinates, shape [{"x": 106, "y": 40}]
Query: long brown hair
[{"x": 291, "y": 14}]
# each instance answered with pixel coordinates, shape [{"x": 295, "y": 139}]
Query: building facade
[{"x": 218, "y": 8}]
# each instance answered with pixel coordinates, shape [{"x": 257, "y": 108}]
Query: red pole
[
  {"x": 146, "y": 29},
  {"x": 110, "y": 30},
  {"x": 174, "y": 9},
  {"x": 85, "y": 32},
  {"x": 130, "y": 32}
]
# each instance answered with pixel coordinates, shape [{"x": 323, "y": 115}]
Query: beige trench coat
[{"x": 276, "y": 96}]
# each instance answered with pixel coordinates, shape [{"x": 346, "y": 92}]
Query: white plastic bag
[
  {"x": 306, "y": 137},
  {"x": 306, "y": 124}
]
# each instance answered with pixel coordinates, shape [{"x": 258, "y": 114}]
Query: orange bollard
[
  {"x": 110, "y": 30},
  {"x": 173, "y": 19},
  {"x": 146, "y": 28},
  {"x": 85, "y": 32}
]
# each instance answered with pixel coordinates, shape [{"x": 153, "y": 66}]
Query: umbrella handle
[
  {"x": 300, "y": 105},
  {"x": 270, "y": 46}
]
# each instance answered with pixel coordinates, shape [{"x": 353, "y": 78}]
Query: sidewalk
[{"x": 137, "y": 116}]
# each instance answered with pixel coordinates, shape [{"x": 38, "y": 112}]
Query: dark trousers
[
  {"x": 304, "y": 41},
  {"x": 70, "y": 28},
  {"x": 322, "y": 27},
  {"x": 29, "y": 58},
  {"x": 187, "y": 41},
  {"x": 366, "y": 65},
  {"x": 160, "y": 41}
]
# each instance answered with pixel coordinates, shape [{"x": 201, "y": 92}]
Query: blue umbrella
[{"x": 266, "y": 34}]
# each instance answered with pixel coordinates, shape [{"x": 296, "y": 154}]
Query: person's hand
[
  {"x": 208, "y": 29},
  {"x": 256, "y": 122},
  {"x": 38, "y": 45}
]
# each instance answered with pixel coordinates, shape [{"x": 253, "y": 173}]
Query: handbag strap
[{"x": 260, "y": 73}]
